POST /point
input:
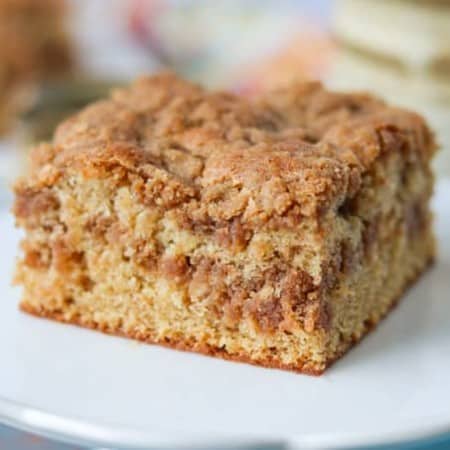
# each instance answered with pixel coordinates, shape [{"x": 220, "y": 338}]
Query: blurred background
[{"x": 56, "y": 56}]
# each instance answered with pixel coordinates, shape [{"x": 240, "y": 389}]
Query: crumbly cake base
[
  {"x": 416, "y": 259},
  {"x": 207, "y": 350}
]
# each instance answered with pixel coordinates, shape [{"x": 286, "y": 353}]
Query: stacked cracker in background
[{"x": 398, "y": 49}]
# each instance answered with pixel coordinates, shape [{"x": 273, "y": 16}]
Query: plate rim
[{"x": 77, "y": 431}]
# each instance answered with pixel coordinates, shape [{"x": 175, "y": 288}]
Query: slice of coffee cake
[{"x": 275, "y": 231}]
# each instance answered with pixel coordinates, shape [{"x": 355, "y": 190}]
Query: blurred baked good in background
[
  {"x": 400, "y": 50},
  {"x": 246, "y": 46},
  {"x": 34, "y": 46},
  {"x": 306, "y": 55}
]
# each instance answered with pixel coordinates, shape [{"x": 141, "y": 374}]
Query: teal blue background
[{"x": 15, "y": 440}]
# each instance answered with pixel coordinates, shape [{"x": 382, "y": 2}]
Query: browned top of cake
[{"x": 302, "y": 147}]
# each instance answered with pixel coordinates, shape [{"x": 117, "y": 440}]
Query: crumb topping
[{"x": 296, "y": 151}]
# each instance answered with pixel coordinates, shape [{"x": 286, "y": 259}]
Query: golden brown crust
[
  {"x": 216, "y": 157},
  {"x": 305, "y": 367},
  {"x": 356, "y": 121}
]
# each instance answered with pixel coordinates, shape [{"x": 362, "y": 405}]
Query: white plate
[{"x": 83, "y": 386}]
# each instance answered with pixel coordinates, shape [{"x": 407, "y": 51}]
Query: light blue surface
[{"x": 16, "y": 440}]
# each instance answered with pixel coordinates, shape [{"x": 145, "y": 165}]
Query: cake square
[{"x": 277, "y": 230}]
